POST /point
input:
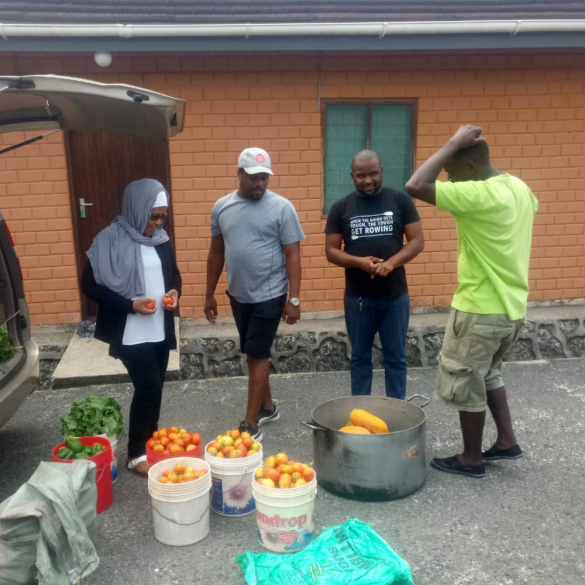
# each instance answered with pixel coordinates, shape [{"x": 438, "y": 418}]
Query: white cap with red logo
[{"x": 255, "y": 160}]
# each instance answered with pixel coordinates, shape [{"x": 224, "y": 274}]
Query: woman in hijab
[{"x": 131, "y": 264}]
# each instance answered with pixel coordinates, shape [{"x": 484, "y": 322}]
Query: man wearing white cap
[{"x": 257, "y": 234}]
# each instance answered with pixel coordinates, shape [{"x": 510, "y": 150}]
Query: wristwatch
[{"x": 295, "y": 302}]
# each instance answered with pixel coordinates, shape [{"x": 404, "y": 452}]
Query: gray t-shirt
[{"x": 254, "y": 232}]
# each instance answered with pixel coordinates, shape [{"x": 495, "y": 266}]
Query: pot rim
[{"x": 381, "y": 435}]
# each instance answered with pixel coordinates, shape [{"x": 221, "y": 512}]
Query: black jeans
[{"x": 147, "y": 366}]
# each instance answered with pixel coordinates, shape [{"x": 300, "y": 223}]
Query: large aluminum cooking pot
[{"x": 370, "y": 467}]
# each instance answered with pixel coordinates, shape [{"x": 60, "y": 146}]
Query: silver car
[{"x": 55, "y": 103}]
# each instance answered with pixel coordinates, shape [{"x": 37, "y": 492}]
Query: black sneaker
[
  {"x": 494, "y": 454},
  {"x": 453, "y": 465},
  {"x": 255, "y": 434},
  {"x": 268, "y": 416}
]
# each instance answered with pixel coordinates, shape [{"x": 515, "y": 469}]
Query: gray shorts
[{"x": 470, "y": 361}]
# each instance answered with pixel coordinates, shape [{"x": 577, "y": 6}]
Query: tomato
[
  {"x": 155, "y": 435},
  {"x": 281, "y": 458},
  {"x": 228, "y": 449},
  {"x": 285, "y": 481},
  {"x": 173, "y": 436},
  {"x": 150, "y": 306},
  {"x": 166, "y": 452},
  {"x": 179, "y": 442},
  {"x": 168, "y": 301},
  {"x": 248, "y": 442},
  {"x": 173, "y": 430},
  {"x": 309, "y": 475},
  {"x": 174, "y": 449},
  {"x": 186, "y": 438},
  {"x": 182, "y": 431},
  {"x": 163, "y": 433},
  {"x": 150, "y": 443},
  {"x": 271, "y": 462},
  {"x": 190, "y": 447},
  {"x": 195, "y": 439},
  {"x": 273, "y": 475},
  {"x": 166, "y": 472},
  {"x": 158, "y": 448}
]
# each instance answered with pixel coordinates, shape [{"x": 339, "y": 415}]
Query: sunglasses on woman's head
[{"x": 157, "y": 216}]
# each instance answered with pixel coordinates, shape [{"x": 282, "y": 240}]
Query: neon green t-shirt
[{"x": 494, "y": 223}]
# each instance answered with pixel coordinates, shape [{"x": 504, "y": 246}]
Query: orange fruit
[
  {"x": 158, "y": 448},
  {"x": 300, "y": 482},
  {"x": 273, "y": 475},
  {"x": 174, "y": 449},
  {"x": 285, "y": 481},
  {"x": 227, "y": 450},
  {"x": 281, "y": 458},
  {"x": 271, "y": 462},
  {"x": 309, "y": 475}
]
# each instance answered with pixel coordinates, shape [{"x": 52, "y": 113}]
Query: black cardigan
[{"x": 113, "y": 308}]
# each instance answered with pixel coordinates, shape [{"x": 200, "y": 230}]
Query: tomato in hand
[
  {"x": 168, "y": 301},
  {"x": 151, "y": 306}
]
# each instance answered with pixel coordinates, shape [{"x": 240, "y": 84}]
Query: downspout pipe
[{"x": 379, "y": 29}]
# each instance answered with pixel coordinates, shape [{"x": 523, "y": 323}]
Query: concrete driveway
[{"x": 522, "y": 524}]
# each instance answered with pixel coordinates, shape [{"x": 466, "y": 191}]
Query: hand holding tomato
[
  {"x": 171, "y": 299},
  {"x": 144, "y": 306}
]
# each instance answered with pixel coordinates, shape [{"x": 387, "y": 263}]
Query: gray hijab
[{"x": 115, "y": 253}]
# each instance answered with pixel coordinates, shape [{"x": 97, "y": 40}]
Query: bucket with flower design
[{"x": 231, "y": 482}]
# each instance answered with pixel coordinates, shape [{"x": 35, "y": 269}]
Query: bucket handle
[
  {"x": 314, "y": 426},
  {"x": 420, "y": 396}
]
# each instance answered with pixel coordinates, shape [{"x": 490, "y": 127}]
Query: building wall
[{"x": 530, "y": 105}]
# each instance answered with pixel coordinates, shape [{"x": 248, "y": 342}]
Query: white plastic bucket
[
  {"x": 285, "y": 516},
  {"x": 231, "y": 480},
  {"x": 180, "y": 512}
]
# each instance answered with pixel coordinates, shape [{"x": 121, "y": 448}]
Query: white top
[{"x": 148, "y": 328}]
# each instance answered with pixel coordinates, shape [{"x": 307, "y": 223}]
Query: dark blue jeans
[{"x": 389, "y": 318}]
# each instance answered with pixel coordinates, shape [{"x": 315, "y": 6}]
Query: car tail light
[{"x": 12, "y": 243}]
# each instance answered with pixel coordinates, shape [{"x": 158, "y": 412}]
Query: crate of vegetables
[{"x": 171, "y": 443}]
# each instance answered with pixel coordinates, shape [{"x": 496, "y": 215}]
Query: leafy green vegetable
[
  {"x": 6, "y": 347},
  {"x": 94, "y": 416}
]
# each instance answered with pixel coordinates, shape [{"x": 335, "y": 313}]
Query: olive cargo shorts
[{"x": 471, "y": 358}]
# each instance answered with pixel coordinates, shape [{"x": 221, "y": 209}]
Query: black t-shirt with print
[{"x": 373, "y": 226}]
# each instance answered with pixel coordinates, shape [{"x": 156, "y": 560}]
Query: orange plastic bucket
[
  {"x": 103, "y": 474},
  {"x": 153, "y": 457}
]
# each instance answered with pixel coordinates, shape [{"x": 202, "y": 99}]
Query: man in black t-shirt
[{"x": 372, "y": 222}]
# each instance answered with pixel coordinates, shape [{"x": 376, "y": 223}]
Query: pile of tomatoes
[
  {"x": 181, "y": 474},
  {"x": 173, "y": 441},
  {"x": 233, "y": 445},
  {"x": 281, "y": 472}
]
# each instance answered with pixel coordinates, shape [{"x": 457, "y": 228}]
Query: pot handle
[
  {"x": 314, "y": 426},
  {"x": 420, "y": 396}
]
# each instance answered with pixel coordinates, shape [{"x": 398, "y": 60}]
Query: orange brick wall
[{"x": 531, "y": 106}]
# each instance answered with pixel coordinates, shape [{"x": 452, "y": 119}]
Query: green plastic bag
[{"x": 349, "y": 554}]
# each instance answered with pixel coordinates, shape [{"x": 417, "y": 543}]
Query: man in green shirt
[{"x": 494, "y": 213}]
